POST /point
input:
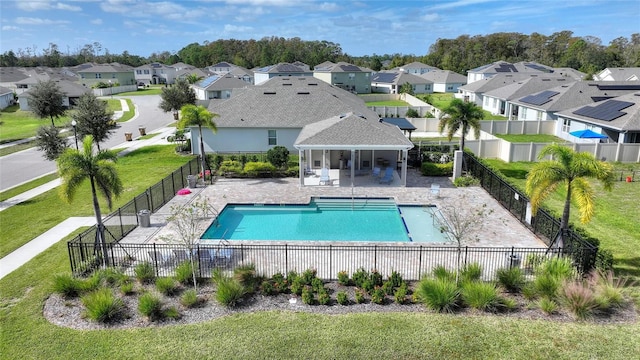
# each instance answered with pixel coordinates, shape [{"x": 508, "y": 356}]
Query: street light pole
[{"x": 75, "y": 134}]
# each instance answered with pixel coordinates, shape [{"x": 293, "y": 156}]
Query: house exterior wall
[
  {"x": 383, "y": 88},
  {"x": 446, "y": 87},
  {"x": 243, "y": 139},
  {"x": 5, "y": 100},
  {"x": 91, "y": 78}
]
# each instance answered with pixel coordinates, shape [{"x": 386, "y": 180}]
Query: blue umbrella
[{"x": 587, "y": 134}]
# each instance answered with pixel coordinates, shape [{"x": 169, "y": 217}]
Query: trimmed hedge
[{"x": 432, "y": 169}]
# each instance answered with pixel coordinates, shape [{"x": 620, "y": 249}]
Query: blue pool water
[{"x": 323, "y": 219}]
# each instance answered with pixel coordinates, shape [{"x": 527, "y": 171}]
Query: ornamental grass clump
[
  {"x": 102, "y": 306},
  {"x": 438, "y": 294},
  {"x": 67, "y": 286},
  {"x": 150, "y": 306},
  {"x": 189, "y": 299},
  {"x": 579, "y": 299},
  {"x": 167, "y": 286},
  {"x": 442, "y": 273},
  {"x": 470, "y": 272},
  {"x": 144, "y": 272},
  {"x": 184, "y": 273},
  {"x": 246, "y": 276},
  {"x": 511, "y": 279},
  {"x": 229, "y": 291},
  {"x": 481, "y": 296}
]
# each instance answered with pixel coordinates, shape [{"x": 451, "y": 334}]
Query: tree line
[{"x": 560, "y": 49}]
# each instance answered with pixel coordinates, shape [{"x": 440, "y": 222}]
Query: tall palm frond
[
  {"x": 463, "y": 116},
  {"x": 199, "y": 116}
]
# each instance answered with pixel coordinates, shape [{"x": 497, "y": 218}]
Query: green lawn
[
  {"x": 615, "y": 221},
  {"x": 23, "y": 222},
  {"x": 16, "y": 124},
  {"x": 128, "y": 115},
  {"x": 114, "y": 104},
  {"x": 295, "y": 335},
  {"x": 4, "y": 195},
  {"x": 529, "y": 138},
  {"x": 154, "y": 90}
]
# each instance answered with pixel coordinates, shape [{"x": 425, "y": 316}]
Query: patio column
[
  {"x": 352, "y": 169},
  {"x": 403, "y": 177},
  {"x": 301, "y": 166}
]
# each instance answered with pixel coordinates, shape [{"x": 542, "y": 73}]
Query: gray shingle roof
[
  {"x": 630, "y": 121},
  {"x": 418, "y": 65},
  {"x": 287, "y": 102},
  {"x": 398, "y": 78},
  {"x": 352, "y": 130},
  {"x": 444, "y": 77},
  {"x": 106, "y": 68},
  {"x": 220, "y": 83},
  {"x": 525, "y": 87},
  {"x": 499, "y": 80}
]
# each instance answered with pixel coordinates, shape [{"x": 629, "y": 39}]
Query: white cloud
[
  {"x": 96, "y": 21},
  {"x": 329, "y": 7},
  {"x": 67, "y": 7},
  {"x": 228, "y": 28},
  {"x": 39, "y": 5},
  {"x": 38, "y": 21},
  {"x": 457, "y": 4},
  {"x": 431, "y": 17},
  {"x": 10, "y": 28},
  {"x": 262, "y": 2}
]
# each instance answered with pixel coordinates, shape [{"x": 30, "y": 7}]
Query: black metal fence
[
  {"x": 543, "y": 223},
  {"x": 83, "y": 252},
  {"x": 412, "y": 262}
]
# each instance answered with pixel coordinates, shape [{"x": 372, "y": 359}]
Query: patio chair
[
  {"x": 435, "y": 190},
  {"x": 157, "y": 257},
  {"x": 180, "y": 256},
  {"x": 206, "y": 259},
  {"x": 224, "y": 256},
  {"x": 375, "y": 172},
  {"x": 388, "y": 176},
  {"x": 324, "y": 177}
]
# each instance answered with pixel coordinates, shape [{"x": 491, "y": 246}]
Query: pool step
[{"x": 360, "y": 204}]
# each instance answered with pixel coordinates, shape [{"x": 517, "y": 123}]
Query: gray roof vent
[
  {"x": 269, "y": 93},
  {"x": 303, "y": 93}
]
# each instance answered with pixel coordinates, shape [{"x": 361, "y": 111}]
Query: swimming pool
[{"x": 327, "y": 219}]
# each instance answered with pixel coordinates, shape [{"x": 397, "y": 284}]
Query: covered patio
[{"x": 350, "y": 147}]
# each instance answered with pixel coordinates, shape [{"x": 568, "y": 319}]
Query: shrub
[
  {"x": 254, "y": 168},
  {"x": 368, "y": 286},
  {"x": 101, "y": 305},
  {"x": 466, "y": 180},
  {"x": 229, "y": 291},
  {"x": 440, "y": 272},
  {"x": 438, "y": 294},
  {"x": 317, "y": 284},
  {"x": 167, "y": 286},
  {"x": 471, "y": 272},
  {"x": 376, "y": 278},
  {"x": 481, "y": 296},
  {"x": 342, "y": 298},
  {"x": 532, "y": 261},
  {"x": 360, "y": 276},
  {"x": 110, "y": 277},
  {"x": 560, "y": 268},
  {"x": 144, "y": 272},
  {"x": 400, "y": 296},
  {"x": 604, "y": 260},
  {"x": 291, "y": 275},
  {"x": 412, "y": 113},
  {"x": 278, "y": 156},
  {"x": 230, "y": 166},
  {"x": 529, "y": 291},
  {"x": 546, "y": 286},
  {"x": 150, "y": 306},
  {"x": 280, "y": 283},
  {"x": 323, "y": 297},
  {"x": 343, "y": 278},
  {"x": 308, "y": 276},
  {"x": 184, "y": 273},
  {"x": 267, "y": 288},
  {"x": 387, "y": 287},
  {"x": 378, "y": 295},
  {"x": 67, "y": 285},
  {"x": 395, "y": 279},
  {"x": 189, "y": 299},
  {"x": 547, "y": 305},
  {"x": 579, "y": 299},
  {"x": 307, "y": 295},
  {"x": 297, "y": 286},
  {"x": 609, "y": 290},
  {"x": 512, "y": 279},
  {"x": 359, "y": 296},
  {"x": 432, "y": 169}
]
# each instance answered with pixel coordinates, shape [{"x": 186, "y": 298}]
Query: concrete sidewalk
[{"x": 41, "y": 243}]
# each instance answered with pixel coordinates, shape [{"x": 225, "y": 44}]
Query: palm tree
[
  {"x": 572, "y": 170},
  {"x": 193, "y": 115},
  {"x": 463, "y": 116},
  {"x": 193, "y": 78},
  {"x": 76, "y": 166}
]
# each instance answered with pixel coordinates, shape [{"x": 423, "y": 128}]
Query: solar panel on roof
[
  {"x": 619, "y": 87},
  {"x": 607, "y": 111},
  {"x": 506, "y": 68},
  {"x": 384, "y": 77},
  {"x": 208, "y": 81},
  {"x": 538, "y": 67},
  {"x": 349, "y": 68},
  {"x": 539, "y": 99}
]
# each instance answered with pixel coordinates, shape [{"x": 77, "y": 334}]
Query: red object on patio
[
  {"x": 628, "y": 178},
  {"x": 184, "y": 191}
]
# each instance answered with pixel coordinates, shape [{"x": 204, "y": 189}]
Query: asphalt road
[{"x": 27, "y": 165}]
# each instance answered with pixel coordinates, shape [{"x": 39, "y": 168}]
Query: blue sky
[{"x": 360, "y": 27}]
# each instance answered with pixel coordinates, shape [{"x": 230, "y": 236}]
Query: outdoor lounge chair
[
  {"x": 388, "y": 176},
  {"x": 180, "y": 256},
  {"x": 324, "y": 177},
  {"x": 224, "y": 256},
  {"x": 159, "y": 258},
  {"x": 375, "y": 172},
  {"x": 206, "y": 259}
]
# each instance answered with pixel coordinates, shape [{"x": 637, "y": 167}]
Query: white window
[
  {"x": 450, "y": 87},
  {"x": 139, "y": 72},
  {"x": 523, "y": 115},
  {"x": 98, "y": 76},
  {"x": 352, "y": 76},
  {"x": 566, "y": 125},
  {"x": 146, "y": 72},
  {"x": 273, "y": 139},
  {"x": 538, "y": 115},
  {"x": 495, "y": 102},
  {"x": 486, "y": 101}
]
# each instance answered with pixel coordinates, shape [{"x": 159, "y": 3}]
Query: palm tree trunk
[
  {"x": 464, "y": 132},
  {"x": 564, "y": 222},
  {"x": 201, "y": 152},
  {"x": 100, "y": 231}
]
